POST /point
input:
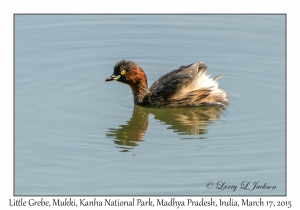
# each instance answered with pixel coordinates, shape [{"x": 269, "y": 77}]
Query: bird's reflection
[{"x": 185, "y": 121}]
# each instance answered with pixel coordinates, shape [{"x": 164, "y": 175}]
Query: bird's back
[{"x": 186, "y": 86}]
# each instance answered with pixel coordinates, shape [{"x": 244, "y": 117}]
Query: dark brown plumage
[{"x": 186, "y": 86}]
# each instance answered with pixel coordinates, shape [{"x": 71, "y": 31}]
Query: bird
[{"x": 187, "y": 86}]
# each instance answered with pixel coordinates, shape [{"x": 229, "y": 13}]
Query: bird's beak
[{"x": 111, "y": 78}]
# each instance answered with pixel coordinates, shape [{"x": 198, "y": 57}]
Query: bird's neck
[{"x": 139, "y": 91}]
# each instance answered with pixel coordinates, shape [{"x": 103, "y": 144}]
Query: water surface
[{"x": 77, "y": 135}]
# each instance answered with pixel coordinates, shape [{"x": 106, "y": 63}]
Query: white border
[{"x": 8, "y": 8}]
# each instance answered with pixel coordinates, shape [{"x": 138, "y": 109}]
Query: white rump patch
[{"x": 200, "y": 81}]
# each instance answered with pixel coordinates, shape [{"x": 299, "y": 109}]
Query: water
[{"x": 78, "y": 135}]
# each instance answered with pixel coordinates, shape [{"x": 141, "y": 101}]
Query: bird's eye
[{"x": 122, "y": 72}]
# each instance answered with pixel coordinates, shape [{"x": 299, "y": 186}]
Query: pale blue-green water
[{"x": 78, "y": 135}]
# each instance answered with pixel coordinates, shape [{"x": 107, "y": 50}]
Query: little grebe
[{"x": 186, "y": 86}]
